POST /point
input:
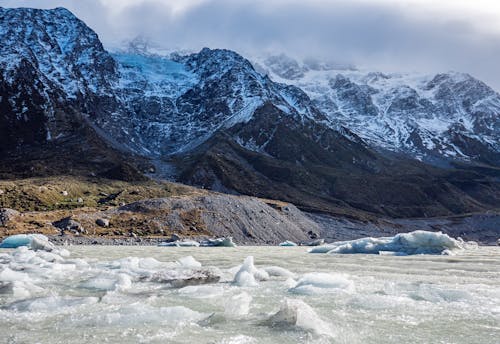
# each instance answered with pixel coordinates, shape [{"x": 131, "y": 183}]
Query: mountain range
[{"x": 328, "y": 138}]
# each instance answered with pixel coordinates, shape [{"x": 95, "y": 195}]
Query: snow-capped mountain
[
  {"x": 172, "y": 104},
  {"x": 449, "y": 116},
  {"x": 225, "y": 125},
  {"x": 51, "y": 67}
]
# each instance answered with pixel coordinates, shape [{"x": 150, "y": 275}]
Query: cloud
[{"x": 388, "y": 35}]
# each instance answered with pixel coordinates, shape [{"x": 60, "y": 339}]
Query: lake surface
[{"x": 99, "y": 294}]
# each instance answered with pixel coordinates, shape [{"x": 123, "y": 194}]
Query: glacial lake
[{"x": 102, "y": 294}]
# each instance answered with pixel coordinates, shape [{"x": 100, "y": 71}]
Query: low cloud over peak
[{"x": 387, "y": 35}]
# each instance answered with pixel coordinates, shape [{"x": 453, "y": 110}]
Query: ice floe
[
  {"x": 417, "y": 242},
  {"x": 179, "y": 278},
  {"x": 219, "y": 242},
  {"x": 276, "y": 271},
  {"x": 180, "y": 243},
  {"x": 248, "y": 275},
  {"x": 18, "y": 240},
  {"x": 298, "y": 314},
  {"x": 321, "y": 282},
  {"x": 287, "y": 243},
  {"x": 237, "y": 305}
]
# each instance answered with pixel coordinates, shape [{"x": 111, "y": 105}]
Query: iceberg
[
  {"x": 277, "y": 271},
  {"x": 180, "y": 243},
  {"x": 187, "y": 277},
  {"x": 417, "y": 242},
  {"x": 189, "y": 262},
  {"x": 248, "y": 274},
  {"x": 297, "y": 313},
  {"x": 319, "y": 282},
  {"x": 219, "y": 242},
  {"x": 237, "y": 305},
  {"x": 18, "y": 240},
  {"x": 288, "y": 243}
]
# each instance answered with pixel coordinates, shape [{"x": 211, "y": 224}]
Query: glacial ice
[
  {"x": 277, "y": 271},
  {"x": 417, "y": 242},
  {"x": 189, "y": 262},
  {"x": 237, "y": 305},
  {"x": 219, "y": 242},
  {"x": 248, "y": 275},
  {"x": 18, "y": 240},
  {"x": 179, "y": 278},
  {"x": 50, "y": 303},
  {"x": 297, "y": 313},
  {"x": 111, "y": 297},
  {"x": 139, "y": 314},
  {"x": 320, "y": 282},
  {"x": 180, "y": 243},
  {"x": 287, "y": 243},
  {"x": 201, "y": 291},
  {"x": 120, "y": 282}
]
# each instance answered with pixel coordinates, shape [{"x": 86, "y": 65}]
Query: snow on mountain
[
  {"x": 49, "y": 59},
  {"x": 138, "y": 100},
  {"x": 172, "y": 104},
  {"x": 158, "y": 105},
  {"x": 449, "y": 115}
]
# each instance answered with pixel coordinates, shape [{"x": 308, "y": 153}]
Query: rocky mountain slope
[
  {"x": 436, "y": 118},
  {"x": 68, "y": 103}
]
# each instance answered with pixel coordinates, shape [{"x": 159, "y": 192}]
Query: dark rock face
[{"x": 52, "y": 66}]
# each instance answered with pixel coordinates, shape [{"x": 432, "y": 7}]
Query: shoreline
[{"x": 100, "y": 241}]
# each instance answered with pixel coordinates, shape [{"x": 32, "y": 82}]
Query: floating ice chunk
[
  {"x": 239, "y": 339},
  {"x": 41, "y": 243},
  {"x": 19, "y": 289},
  {"x": 183, "y": 277},
  {"x": 287, "y": 243},
  {"x": 202, "y": 291},
  {"x": 219, "y": 242},
  {"x": 248, "y": 274},
  {"x": 245, "y": 279},
  {"x": 417, "y": 242},
  {"x": 426, "y": 292},
  {"x": 9, "y": 275},
  {"x": 319, "y": 282},
  {"x": 180, "y": 243},
  {"x": 149, "y": 263},
  {"x": 18, "y": 240},
  {"x": 189, "y": 262},
  {"x": 51, "y": 303},
  {"x": 297, "y": 313},
  {"x": 277, "y": 271},
  {"x": 237, "y": 305},
  {"x": 15, "y": 241},
  {"x": 140, "y": 313},
  {"x": 119, "y": 282}
]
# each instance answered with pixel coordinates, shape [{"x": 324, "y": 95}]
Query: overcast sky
[{"x": 386, "y": 35}]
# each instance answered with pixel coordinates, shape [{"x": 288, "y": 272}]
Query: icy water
[{"x": 97, "y": 296}]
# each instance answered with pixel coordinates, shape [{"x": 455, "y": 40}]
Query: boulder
[
  {"x": 68, "y": 224},
  {"x": 6, "y": 215},
  {"x": 102, "y": 222}
]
